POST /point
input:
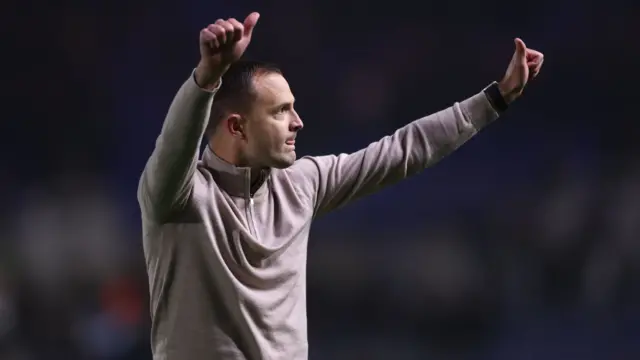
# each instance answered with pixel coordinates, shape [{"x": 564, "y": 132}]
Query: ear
[{"x": 236, "y": 125}]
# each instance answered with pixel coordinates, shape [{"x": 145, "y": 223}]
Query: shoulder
[
  {"x": 303, "y": 170},
  {"x": 204, "y": 183},
  {"x": 300, "y": 177},
  {"x": 204, "y": 190}
]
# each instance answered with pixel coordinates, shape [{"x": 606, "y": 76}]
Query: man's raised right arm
[{"x": 167, "y": 179}]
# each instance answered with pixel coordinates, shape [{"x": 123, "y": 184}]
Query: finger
[
  {"x": 534, "y": 55},
  {"x": 250, "y": 22},
  {"x": 208, "y": 37},
  {"x": 238, "y": 28},
  {"x": 535, "y": 62},
  {"x": 534, "y": 74},
  {"x": 521, "y": 48},
  {"x": 538, "y": 67},
  {"x": 534, "y": 68},
  {"x": 228, "y": 29},
  {"x": 219, "y": 32}
]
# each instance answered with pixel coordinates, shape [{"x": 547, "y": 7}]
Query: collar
[{"x": 233, "y": 179}]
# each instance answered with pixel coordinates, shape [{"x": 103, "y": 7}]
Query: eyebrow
[{"x": 284, "y": 103}]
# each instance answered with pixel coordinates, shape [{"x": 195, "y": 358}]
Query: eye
[{"x": 286, "y": 107}]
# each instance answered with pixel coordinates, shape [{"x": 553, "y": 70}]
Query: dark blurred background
[{"x": 524, "y": 244}]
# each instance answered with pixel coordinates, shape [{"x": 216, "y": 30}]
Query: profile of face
[{"x": 271, "y": 123}]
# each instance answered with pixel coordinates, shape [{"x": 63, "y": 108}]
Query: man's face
[{"x": 272, "y": 123}]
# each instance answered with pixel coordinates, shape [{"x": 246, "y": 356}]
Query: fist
[
  {"x": 224, "y": 42},
  {"x": 524, "y": 66}
]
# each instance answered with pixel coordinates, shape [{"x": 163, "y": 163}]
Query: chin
[{"x": 283, "y": 161}]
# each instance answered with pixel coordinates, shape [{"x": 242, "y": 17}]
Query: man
[{"x": 225, "y": 236}]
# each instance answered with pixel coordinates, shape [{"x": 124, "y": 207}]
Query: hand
[
  {"x": 524, "y": 66},
  {"x": 221, "y": 44}
]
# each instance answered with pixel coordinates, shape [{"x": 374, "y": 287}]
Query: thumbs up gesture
[
  {"x": 221, "y": 44},
  {"x": 524, "y": 66}
]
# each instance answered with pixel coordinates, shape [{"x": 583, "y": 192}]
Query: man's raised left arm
[{"x": 334, "y": 180}]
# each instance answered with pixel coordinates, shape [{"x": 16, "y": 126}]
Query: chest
[{"x": 258, "y": 231}]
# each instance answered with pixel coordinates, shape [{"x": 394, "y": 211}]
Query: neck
[
  {"x": 223, "y": 149},
  {"x": 235, "y": 180}
]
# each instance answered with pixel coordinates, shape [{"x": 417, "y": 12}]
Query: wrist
[
  {"x": 495, "y": 97},
  {"x": 207, "y": 76},
  {"x": 509, "y": 94}
]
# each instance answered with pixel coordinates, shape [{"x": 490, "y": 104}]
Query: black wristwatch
[{"x": 495, "y": 97}]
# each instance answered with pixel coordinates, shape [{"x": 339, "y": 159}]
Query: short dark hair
[{"x": 237, "y": 88}]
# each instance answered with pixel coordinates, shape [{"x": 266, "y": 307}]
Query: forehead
[{"x": 272, "y": 89}]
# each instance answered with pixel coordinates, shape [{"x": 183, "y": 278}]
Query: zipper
[
  {"x": 252, "y": 222},
  {"x": 250, "y": 207}
]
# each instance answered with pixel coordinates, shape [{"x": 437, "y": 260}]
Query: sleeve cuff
[
  {"x": 192, "y": 79},
  {"x": 479, "y": 110}
]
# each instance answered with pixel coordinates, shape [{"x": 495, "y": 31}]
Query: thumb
[
  {"x": 250, "y": 22},
  {"x": 520, "y": 47}
]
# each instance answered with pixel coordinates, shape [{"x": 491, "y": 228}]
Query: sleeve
[
  {"x": 168, "y": 176},
  {"x": 334, "y": 180}
]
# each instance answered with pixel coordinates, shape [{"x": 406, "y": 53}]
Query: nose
[{"x": 297, "y": 124}]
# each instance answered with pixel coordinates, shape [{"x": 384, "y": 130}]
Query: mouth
[{"x": 291, "y": 144}]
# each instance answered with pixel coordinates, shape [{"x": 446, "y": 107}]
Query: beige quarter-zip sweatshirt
[{"x": 227, "y": 268}]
